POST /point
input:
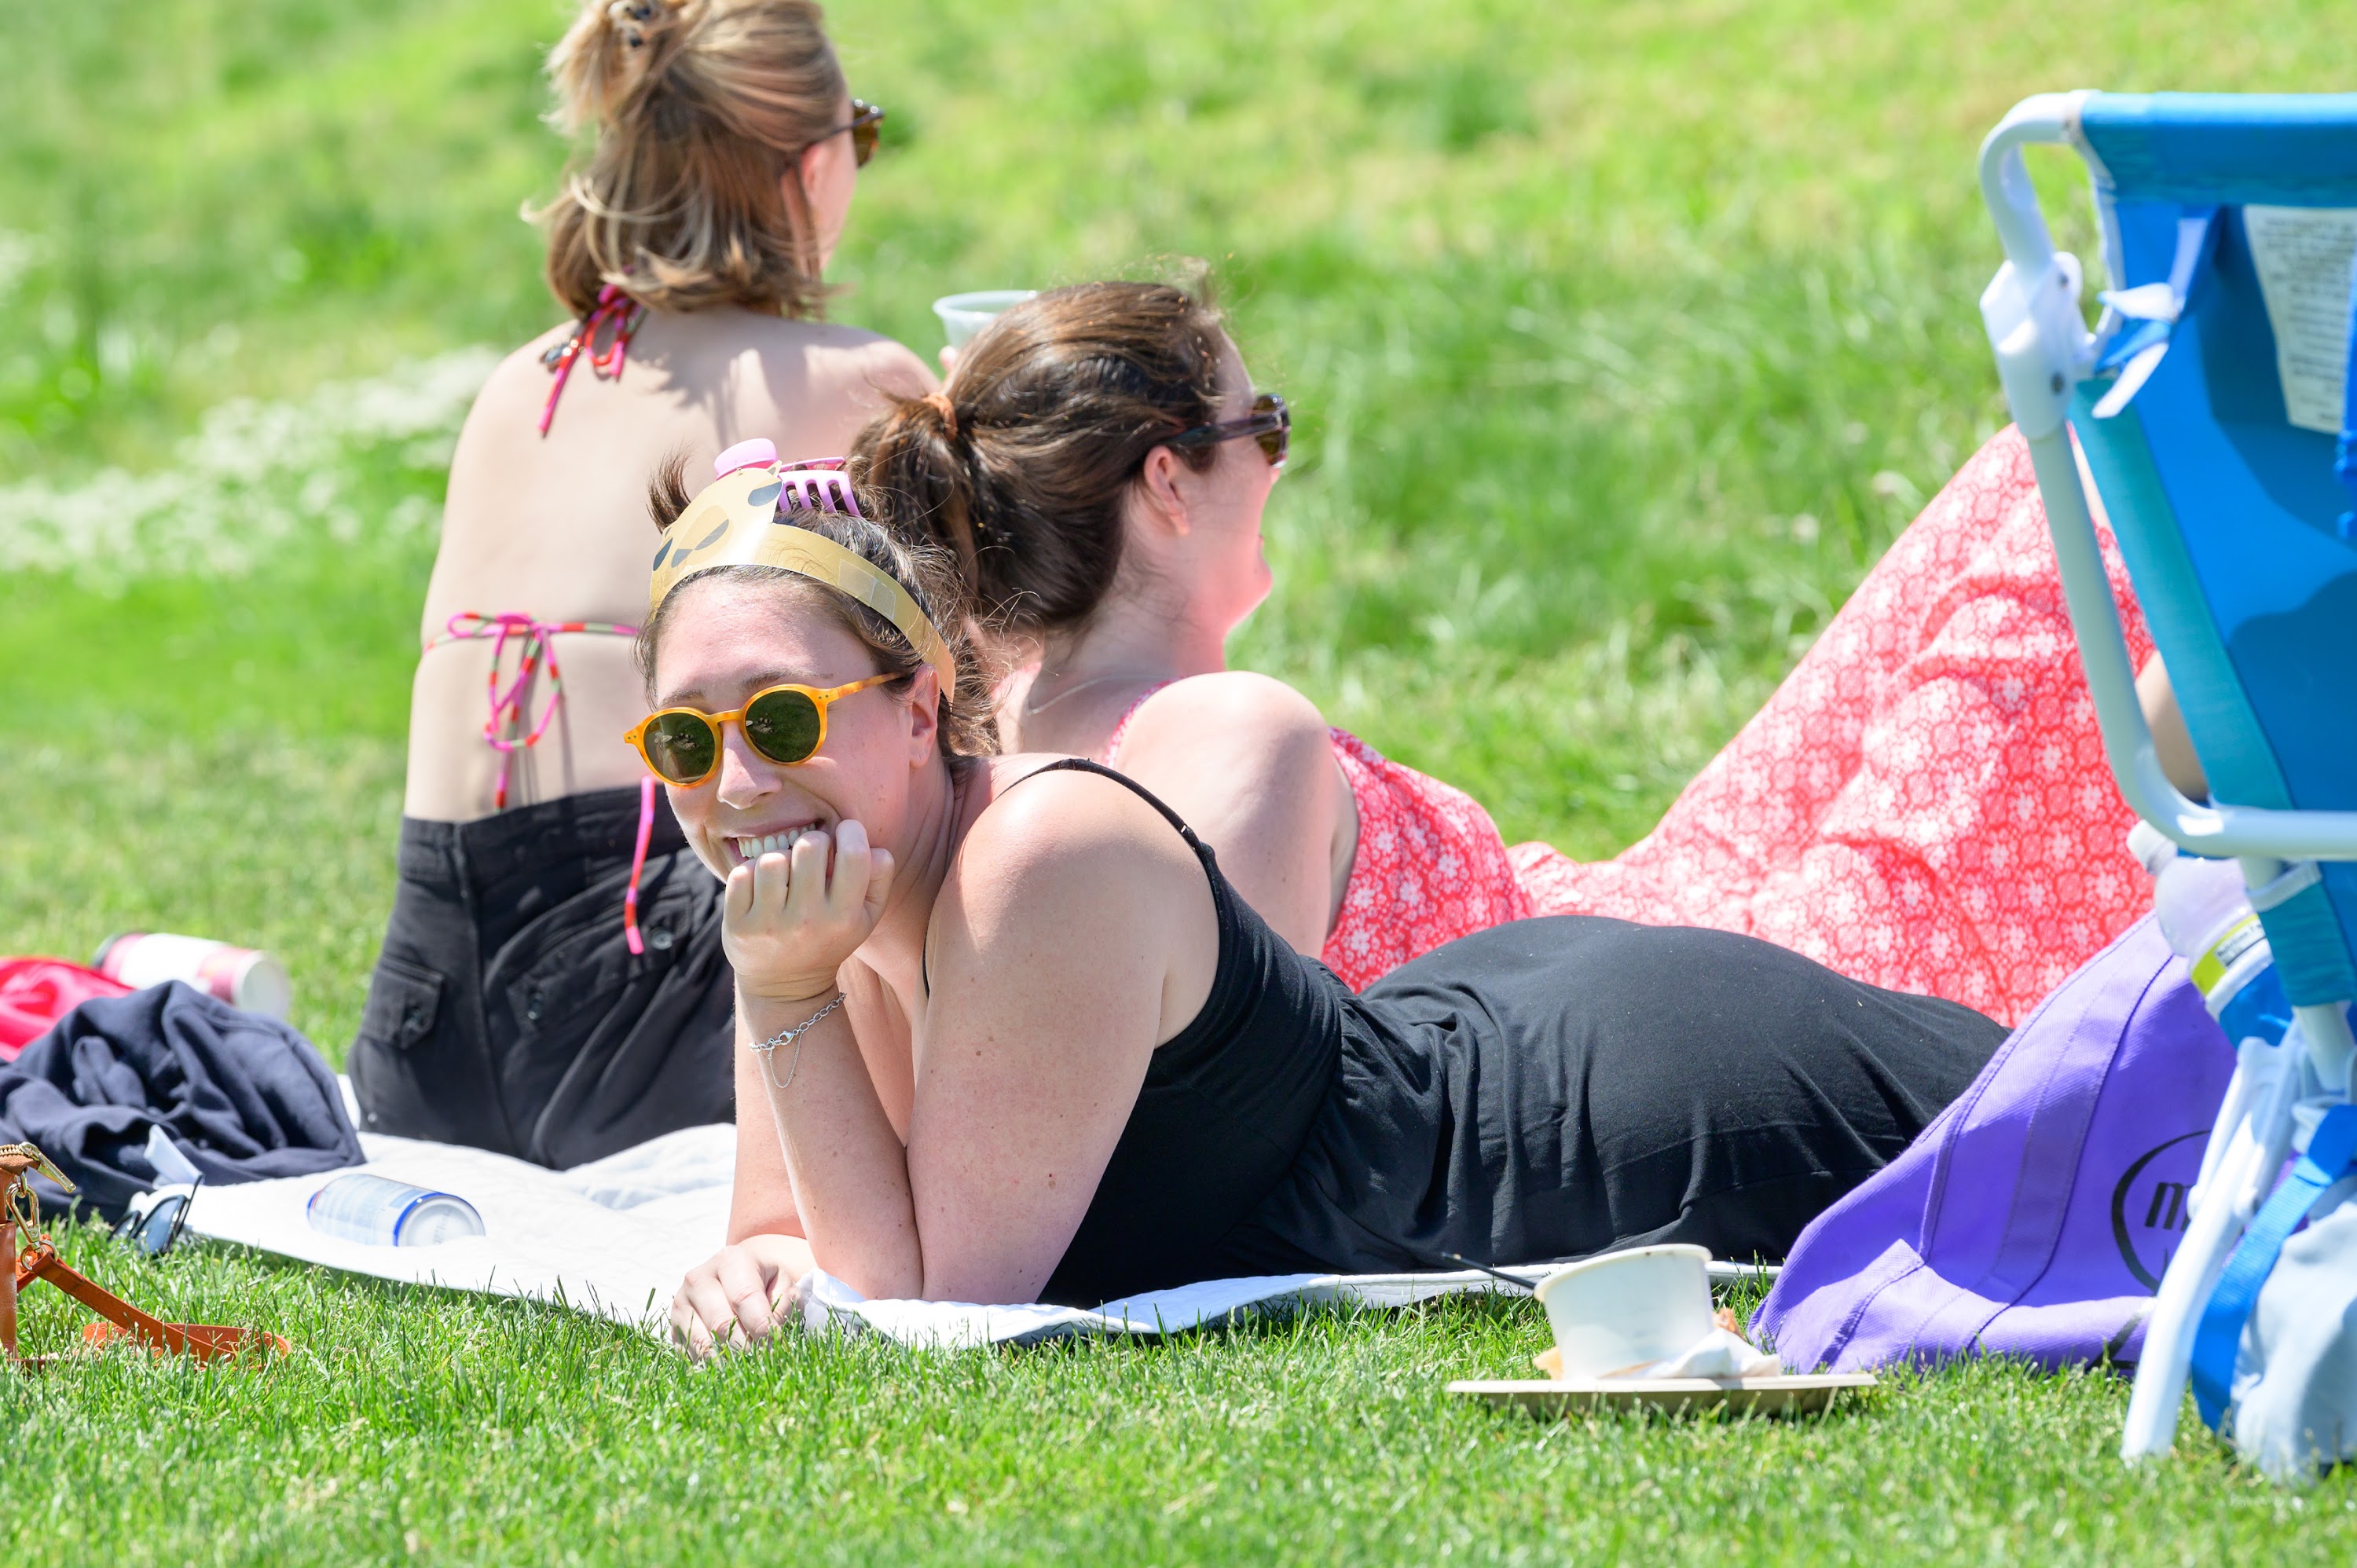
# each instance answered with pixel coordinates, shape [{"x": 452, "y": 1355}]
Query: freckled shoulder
[{"x": 1071, "y": 854}]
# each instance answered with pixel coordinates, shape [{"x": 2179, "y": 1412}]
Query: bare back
[{"x": 555, "y": 527}]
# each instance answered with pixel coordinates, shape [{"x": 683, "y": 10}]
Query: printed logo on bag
[{"x": 2149, "y": 1205}]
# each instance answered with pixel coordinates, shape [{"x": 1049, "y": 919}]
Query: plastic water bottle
[
  {"x": 2206, "y": 919},
  {"x": 380, "y": 1212}
]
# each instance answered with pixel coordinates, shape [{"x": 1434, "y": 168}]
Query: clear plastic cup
[{"x": 963, "y": 315}]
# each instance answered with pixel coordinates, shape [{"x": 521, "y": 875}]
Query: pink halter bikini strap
[
  {"x": 500, "y": 729},
  {"x": 1120, "y": 725},
  {"x": 614, "y": 309},
  {"x": 639, "y": 864}
]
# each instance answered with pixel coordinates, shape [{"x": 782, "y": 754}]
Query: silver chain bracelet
[{"x": 767, "y": 1049}]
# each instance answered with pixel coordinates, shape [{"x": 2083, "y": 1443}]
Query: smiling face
[{"x": 726, "y": 637}]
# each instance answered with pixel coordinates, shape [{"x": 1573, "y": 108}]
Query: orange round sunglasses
[{"x": 785, "y": 724}]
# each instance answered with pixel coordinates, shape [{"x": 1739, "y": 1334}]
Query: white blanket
[
  {"x": 613, "y": 1237},
  {"x": 827, "y": 1302}
]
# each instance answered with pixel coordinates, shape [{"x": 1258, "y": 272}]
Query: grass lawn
[{"x": 1624, "y": 339}]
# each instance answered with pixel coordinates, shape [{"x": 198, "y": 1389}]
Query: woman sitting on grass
[
  {"x": 1923, "y": 804},
  {"x": 552, "y": 985},
  {"x": 1020, "y": 1040}
]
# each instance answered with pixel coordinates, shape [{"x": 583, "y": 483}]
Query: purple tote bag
[{"x": 2034, "y": 1217}]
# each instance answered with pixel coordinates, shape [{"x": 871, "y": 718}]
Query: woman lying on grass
[
  {"x": 550, "y": 985},
  {"x": 1923, "y": 804},
  {"x": 1020, "y": 1040}
]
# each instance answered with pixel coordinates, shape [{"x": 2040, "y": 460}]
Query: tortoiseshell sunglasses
[{"x": 1270, "y": 423}]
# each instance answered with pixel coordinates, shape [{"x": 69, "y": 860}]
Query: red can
[{"x": 242, "y": 977}]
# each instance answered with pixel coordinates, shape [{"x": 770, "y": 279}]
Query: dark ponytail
[{"x": 1019, "y": 467}]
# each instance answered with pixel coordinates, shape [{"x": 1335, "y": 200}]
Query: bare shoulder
[
  {"x": 518, "y": 385},
  {"x": 1074, "y": 881},
  {"x": 815, "y": 382},
  {"x": 510, "y": 402},
  {"x": 1234, "y": 710},
  {"x": 887, "y": 364},
  {"x": 864, "y": 365},
  {"x": 1066, "y": 824},
  {"x": 839, "y": 355}
]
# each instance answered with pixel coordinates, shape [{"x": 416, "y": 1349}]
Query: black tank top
[
  {"x": 1242, "y": 1083},
  {"x": 1545, "y": 1088}
]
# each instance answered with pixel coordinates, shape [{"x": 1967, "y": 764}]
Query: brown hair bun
[
  {"x": 700, "y": 108},
  {"x": 1020, "y": 464}
]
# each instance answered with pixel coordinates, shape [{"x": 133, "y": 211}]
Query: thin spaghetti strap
[{"x": 1082, "y": 765}]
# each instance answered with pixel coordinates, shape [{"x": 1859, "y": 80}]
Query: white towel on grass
[
  {"x": 611, "y": 1238},
  {"x": 615, "y": 1237},
  {"x": 827, "y": 1303}
]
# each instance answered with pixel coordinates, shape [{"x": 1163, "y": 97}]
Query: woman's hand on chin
[
  {"x": 786, "y": 926},
  {"x": 738, "y": 1294}
]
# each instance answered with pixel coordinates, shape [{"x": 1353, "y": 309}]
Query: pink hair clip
[{"x": 813, "y": 485}]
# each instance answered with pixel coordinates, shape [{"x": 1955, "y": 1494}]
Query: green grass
[
  {"x": 1624, "y": 339},
  {"x": 414, "y": 1425}
]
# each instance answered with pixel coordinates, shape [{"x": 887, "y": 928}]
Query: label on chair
[{"x": 2305, "y": 256}]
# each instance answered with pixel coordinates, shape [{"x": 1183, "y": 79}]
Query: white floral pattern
[
  {"x": 1430, "y": 867},
  {"x": 1924, "y": 803}
]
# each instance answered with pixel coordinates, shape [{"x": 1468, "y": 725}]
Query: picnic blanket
[
  {"x": 828, "y": 1302},
  {"x": 614, "y": 1237},
  {"x": 611, "y": 1238}
]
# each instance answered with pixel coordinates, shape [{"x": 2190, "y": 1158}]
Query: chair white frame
[{"x": 2043, "y": 350}]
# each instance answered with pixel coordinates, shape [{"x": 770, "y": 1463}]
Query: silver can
[{"x": 378, "y": 1211}]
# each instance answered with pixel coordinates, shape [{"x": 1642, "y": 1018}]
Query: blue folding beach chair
[{"x": 2214, "y": 403}]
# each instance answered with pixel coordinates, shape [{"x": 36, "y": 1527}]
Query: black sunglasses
[
  {"x": 865, "y": 118},
  {"x": 155, "y": 1231},
  {"x": 1270, "y": 423}
]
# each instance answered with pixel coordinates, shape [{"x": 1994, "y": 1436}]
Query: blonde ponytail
[{"x": 688, "y": 199}]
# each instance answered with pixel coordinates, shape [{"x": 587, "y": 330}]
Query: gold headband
[{"x": 747, "y": 518}]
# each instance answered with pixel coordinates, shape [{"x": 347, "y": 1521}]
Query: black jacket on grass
[{"x": 245, "y": 1097}]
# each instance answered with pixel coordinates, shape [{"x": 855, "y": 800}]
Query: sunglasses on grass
[
  {"x": 1270, "y": 423},
  {"x": 156, "y": 1229},
  {"x": 785, "y": 724},
  {"x": 865, "y": 127}
]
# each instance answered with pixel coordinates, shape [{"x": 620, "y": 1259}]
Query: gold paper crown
[{"x": 747, "y": 518}]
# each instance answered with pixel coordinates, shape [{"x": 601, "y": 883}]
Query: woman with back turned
[{"x": 552, "y": 985}]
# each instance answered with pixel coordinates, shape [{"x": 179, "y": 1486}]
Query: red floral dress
[
  {"x": 1430, "y": 867},
  {"x": 1924, "y": 803}
]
